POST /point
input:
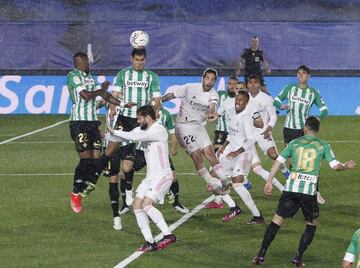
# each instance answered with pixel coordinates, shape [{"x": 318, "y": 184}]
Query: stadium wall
[{"x": 49, "y": 94}]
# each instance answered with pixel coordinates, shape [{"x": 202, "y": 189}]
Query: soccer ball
[{"x": 139, "y": 39}]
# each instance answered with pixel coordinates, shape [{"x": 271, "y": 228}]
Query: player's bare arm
[
  {"x": 213, "y": 118},
  {"x": 89, "y": 95},
  {"x": 168, "y": 97},
  {"x": 110, "y": 99},
  {"x": 156, "y": 103},
  {"x": 222, "y": 148},
  {"x": 234, "y": 154},
  {"x": 173, "y": 144},
  {"x": 267, "y": 132},
  {"x": 269, "y": 184},
  {"x": 212, "y": 111},
  {"x": 351, "y": 164}
]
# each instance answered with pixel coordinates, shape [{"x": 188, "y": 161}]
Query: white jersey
[
  {"x": 263, "y": 104},
  {"x": 195, "y": 102},
  {"x": 154, "y": 142},
  {"x": 240, "y": 131}
]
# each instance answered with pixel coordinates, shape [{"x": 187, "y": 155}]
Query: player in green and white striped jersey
[
  {"x": 301, "y": 98},
  {"x": 136, "y": 86},
  {"x": 352, "y": 255},
  {"x": 300, "y": 192},
  {"x": 220, "y": 132},
  {"x": 83, "y": 90}
]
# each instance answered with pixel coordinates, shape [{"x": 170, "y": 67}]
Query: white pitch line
[
  {"x": 33, "y": 132},
  {"x": 172, "y": 227},
  {"x": 70, "y": 174}
]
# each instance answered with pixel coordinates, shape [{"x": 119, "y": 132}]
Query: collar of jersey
[{"x": 81, "y": 72}]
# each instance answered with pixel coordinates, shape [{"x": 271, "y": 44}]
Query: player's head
[
  {"x": 146, "y": 116},
  {"x": 240, "y": 86},
  {"x": 312, "y": 125},
  {"x": 303, "y": 74},
  {"x": 254, "y": 42},
  {"x": 138, "y": 59},
  {"x": 81, "y": 62},
  {"x": 231, "y": 84},
  {"x": 209, "y": 78},
  {"x": 253, "y": 83},
  {"x": 241, "y": 100}
]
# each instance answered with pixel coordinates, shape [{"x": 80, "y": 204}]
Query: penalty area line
[
  {"x": 172, "y": 227},
  {"x": 33, "y": 132}
]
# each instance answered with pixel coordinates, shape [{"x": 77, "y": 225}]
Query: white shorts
[
  {"x": 155, "y": 187},
  {"x": 264, "y": 144},
  {"x": 192, "y": 136},
  {"x": 240, "y": 165}
]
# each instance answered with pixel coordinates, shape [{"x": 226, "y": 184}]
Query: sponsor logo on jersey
[
  {"x": 300, "y": 99},
  {"x": 142, "y": 84},
  {"x": 198, "y": 106},
  {"x": 88, "y": 81}
]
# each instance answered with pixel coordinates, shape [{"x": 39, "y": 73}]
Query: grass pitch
[{"x": 38, "y": 228}]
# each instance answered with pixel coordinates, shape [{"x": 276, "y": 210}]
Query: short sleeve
[
  {"x": 119, "y": 81},
  {"x": 286, "y": 153},
  {"x": 155, "y": 85},
  {"x": 75, "y": 82}
]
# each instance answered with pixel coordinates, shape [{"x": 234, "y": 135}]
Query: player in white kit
[
  {"x": 154, "y": 139},
  {"x": 237, "y": 152},
  {"x": 199, "y": 102},
  {"x": 263, "y": 104}
]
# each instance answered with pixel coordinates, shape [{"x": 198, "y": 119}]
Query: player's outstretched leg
[
  {"x": 234, "y": 209},
  {"x": 156, "y": 216},
  {"x": 175, "y": 190}
]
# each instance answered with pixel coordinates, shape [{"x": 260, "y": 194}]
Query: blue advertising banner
[{"x": 49, "y": 94}]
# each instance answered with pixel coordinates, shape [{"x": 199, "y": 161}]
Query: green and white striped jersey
[
  {"x": 306, "y": 154},
  {"x": 82, "y": 110},
  {"x": 138, "y": 87},
  {"x": 167, "y": 120},
  {"x": 221, "y": 122},
  {"x": 300, "y": 101},
  {"x": 353, "y": 250}
]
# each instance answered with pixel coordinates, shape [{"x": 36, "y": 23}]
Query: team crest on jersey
[
  {"x": 257, "y": 59},
  {"x": 76, "y": 80}
]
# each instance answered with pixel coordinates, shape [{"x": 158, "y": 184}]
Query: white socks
[
  {"x": 246, "y": 198},
  {"x": 156, "y": 216},
  {"x": 215, "y": 183},
  {"x": 228, "y": 200},
  {"x": 265, "y": 175},
  {"x": 219, "y": 170},
  {"x": 144, "y": 225}
]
